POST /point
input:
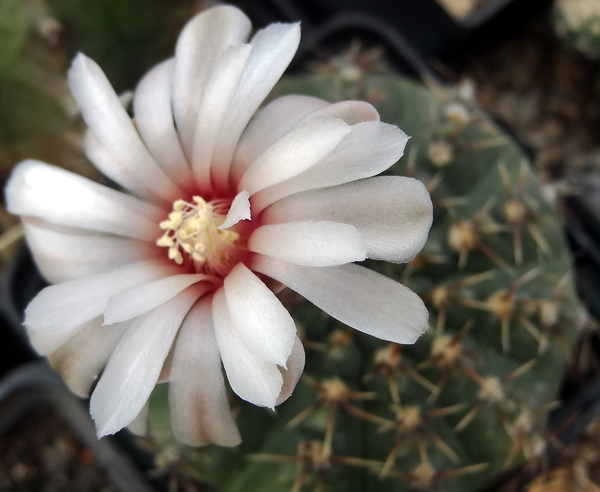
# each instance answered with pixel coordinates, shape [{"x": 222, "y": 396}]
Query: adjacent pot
[{"x": 426, "y": 24}]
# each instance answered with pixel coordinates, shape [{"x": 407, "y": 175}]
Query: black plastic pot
[
  {"x": 424, "y": 23},
  {"x": 583, "y": 233},
  {"x": 20, "y": 283},
  {"x": 34, "y": 386}
]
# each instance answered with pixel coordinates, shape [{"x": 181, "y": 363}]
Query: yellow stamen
[
  {"x": 165, "y": 241},
  {"x": 191, "y": 230}
]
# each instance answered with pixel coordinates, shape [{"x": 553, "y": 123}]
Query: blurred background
[{"x": 533, "y": 65}]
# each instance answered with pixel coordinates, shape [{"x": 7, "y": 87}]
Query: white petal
[
  {"x": 80, "y": 361},
  {"x": 352, "y": 112},
  {"x": 58, "y": 196},
  {"x": 309, "y": 243},
  {"x": 125, "y": 98},
  {"x": 270, "y": 124},
  {"x": 272, "y": 50},
  {"x": 154, "y": 119},
  {"x": 263, "y": 325},
  {"x": 60, "y": 308},
  {"x": 393, "y": 214},
  {"x": 293, "y": 154},
  {"x": 356, "y": 296},
  {"x": 199, "y": 410},
  {"x": 219, "y": 91},
  {"x": 64, "y": 253},
  {"x": 239, "y": 210},
  {"x": 134, "y": 367},
  {"x": 110, "y": 123},
  {"x": 291, "y": 375},
  {"x": 165, "y": 372},
  {"x": 46, "y": 343},
  {"x": 139, "y": 425},
  {"x": 253, "y": 379},
  {"x": 369, "y": 149},
  {"x": 111, "y": 165},
  {"x": 139, "y": 300},
  {"x": 200, "y": 44}
]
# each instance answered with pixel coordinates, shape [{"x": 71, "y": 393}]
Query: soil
[
  {"x": 41, "y": 454},
  {"x": 546, "y": 95}
]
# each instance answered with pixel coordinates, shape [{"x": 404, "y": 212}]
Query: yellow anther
[
  {"x": 176, "y": 218},
  {"x": 175, "y": 255},
  {"x": 179, "y": 205},
  {"x": 165, "y": 241},
  {"x": 198, "y": 258}
]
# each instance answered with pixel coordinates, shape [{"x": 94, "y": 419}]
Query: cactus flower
[{"x": 177, "y": 275}]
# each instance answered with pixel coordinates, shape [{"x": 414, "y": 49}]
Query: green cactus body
[
  {"x": 577, "y": 22},
  {"x": 470, "y": 398}
]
